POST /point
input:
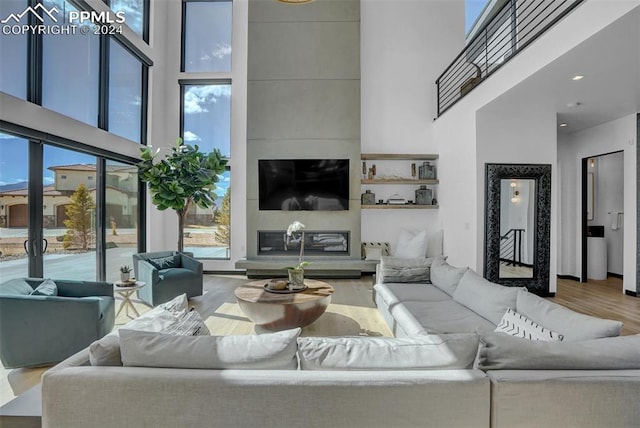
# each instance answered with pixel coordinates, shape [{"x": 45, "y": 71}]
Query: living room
[{"x": 385, "y": 82}]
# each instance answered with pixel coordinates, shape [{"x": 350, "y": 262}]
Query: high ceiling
[{"x": 610, "y": 89}]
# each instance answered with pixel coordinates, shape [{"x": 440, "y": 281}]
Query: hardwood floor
[
  {"x": 603, "y": 299},
  {"x": 352, "y": 312}
]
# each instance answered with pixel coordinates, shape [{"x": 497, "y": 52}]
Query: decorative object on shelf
[
  {"x": 364, "y": 169},
  {"x": 424, "y": 196},
  {"x": 296, "y": 273},
  {"x": 413, "y": 170},
  {"x": 184, "y": 178},
  {"x": 368, "y": 198},
  {"x": 372, "y": 172},
  {"x": 396, "y": 199},
  {"x": 426, "y": 171},
  {"x": 125, "y": 273}
]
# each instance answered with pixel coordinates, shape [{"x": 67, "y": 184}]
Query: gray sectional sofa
[
  {"x": 446, "y": 367},
  {"x": 589, "y": 379}
]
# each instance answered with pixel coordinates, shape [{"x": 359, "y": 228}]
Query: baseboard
[
  {"x": 615, "y": 275},
  {"x": 571, "y": 277},
  {"x": 631, "y": 293}
]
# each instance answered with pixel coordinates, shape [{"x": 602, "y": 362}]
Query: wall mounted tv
[{"x": 303, "y": 184}]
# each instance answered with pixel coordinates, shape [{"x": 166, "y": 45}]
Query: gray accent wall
[
  {"x": 638, "y": 206},
  {"x": 303, "y": 102}
]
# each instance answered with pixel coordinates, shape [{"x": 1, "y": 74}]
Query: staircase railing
[
  {"x": 511, "y": 247},
  {"x": 513, "y": 26}
]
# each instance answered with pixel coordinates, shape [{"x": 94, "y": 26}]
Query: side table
[{"x": 126, "y": 291}]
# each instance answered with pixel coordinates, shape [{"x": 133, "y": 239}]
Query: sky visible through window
[{"x": 473, "y": 8}]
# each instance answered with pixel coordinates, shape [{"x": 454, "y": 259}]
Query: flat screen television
[{"x": 303, "y": 184}]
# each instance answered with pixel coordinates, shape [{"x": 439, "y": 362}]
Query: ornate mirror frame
[{"x": 541, "y": 174}]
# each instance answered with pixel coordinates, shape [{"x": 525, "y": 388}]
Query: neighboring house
[{"x": 121, "y": 196}]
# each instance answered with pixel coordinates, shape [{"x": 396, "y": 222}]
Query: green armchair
[
  {"x": 167, "y": 274},
  {"x": 37, "y": 330}
]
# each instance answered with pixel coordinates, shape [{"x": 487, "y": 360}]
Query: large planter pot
[{"x": 296, "y": 279}]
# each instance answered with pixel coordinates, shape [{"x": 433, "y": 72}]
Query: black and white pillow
[
  {"x": 518, "y": 325},
  {"x": 191, "y": 324}
]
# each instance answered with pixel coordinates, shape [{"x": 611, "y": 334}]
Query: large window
[
  {"x": 136, "y": 12},
  {"x": 207, "y": 36},
  {"x": 125, "y": 93},
  {"x": 121, "y": 217},
  {"x": 206, "y": 122},
  {"x": 70, "y": 65},
  {"x": 13, "y": 66}
]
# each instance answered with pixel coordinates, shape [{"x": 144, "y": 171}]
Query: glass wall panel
[
  {"x": 70, "y": 70},
  {"x": 207, "y": 123},
  {"x": 207, "y": 36},
  {"x": 13, "y": 45},
  {"x": 122, "y": 217},
  {"x": 125, "y": 93},
  {"x": 69, "y": 214},
  {"x": 14, "y": 207},
  {"x": 134, "y": 13}
]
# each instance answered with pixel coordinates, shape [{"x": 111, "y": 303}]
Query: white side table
[{"x": 126, "y": 291}]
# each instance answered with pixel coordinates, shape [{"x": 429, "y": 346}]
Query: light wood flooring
[{"x": 351, "y": 313}]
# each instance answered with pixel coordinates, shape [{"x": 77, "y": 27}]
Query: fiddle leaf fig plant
[{"x": 184, "y": 178}]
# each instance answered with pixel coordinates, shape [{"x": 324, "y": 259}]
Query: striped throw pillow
[{"x": 518, "y": 325}]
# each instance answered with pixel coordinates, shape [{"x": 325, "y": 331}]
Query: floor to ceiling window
[
  {"x": 13, "y": 73},
  {"x": 70, "y": 65},
  {"x": 206, "y": 115},
  {"x": 125, "y": 93},
  {"x": 70, "y": 205}
]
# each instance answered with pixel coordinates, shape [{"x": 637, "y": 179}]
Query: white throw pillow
[
  {"x": 106, "y": 351},
  {"x": 518, "y": 325},
  {"x": 485, "y": 298},
  {"x": 273, "y": 351},
  {"x": 410, "y": 245},
  {"x": 428, "y": 352}
]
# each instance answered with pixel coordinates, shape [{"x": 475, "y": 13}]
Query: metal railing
[
  {"x": 513, "y": 26},
  {"x": 511, "y": 247}
]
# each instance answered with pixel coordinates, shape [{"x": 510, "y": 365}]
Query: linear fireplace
[{"x": 316, "y": 243}]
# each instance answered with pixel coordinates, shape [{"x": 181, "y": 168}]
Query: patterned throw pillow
[
  {"x": 191, "y": 324},
  {"x": 46, "y": 288},
  {"x": 518, "y": 325},
  {"x": 375, "y": 250}
]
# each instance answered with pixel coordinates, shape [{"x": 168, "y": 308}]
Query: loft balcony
[{"x": 508, "y": 27}]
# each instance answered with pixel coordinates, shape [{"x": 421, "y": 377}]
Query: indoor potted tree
[{"x": 184, "y": 178}]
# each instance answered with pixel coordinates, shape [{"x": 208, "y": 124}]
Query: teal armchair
[
  {"x": 167, "y": 274},
  {"x": 37, "y": 330}
]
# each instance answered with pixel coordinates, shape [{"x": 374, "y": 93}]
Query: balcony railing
[{"x": 511, "y": 28}]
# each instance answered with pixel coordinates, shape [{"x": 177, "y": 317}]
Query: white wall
[
  {"x": 405, "y": 45},
  {"x": 610, "y": 137}
]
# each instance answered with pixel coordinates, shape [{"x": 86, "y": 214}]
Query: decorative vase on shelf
[{"x": 296, "y": 279}]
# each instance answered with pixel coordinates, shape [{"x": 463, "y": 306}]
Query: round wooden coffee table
[{"x": 276, "y": 311}]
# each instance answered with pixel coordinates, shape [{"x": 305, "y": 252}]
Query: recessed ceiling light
[
  {"x": 562, "y": 125},
  {"x": 577, "y": 77},
  {"x": 574, "y": 104}
]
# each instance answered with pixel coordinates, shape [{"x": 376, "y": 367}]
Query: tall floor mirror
[{"x": 517, "y": 225}]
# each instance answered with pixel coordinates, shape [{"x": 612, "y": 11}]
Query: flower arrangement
[{"x": 296, "y": 226}]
